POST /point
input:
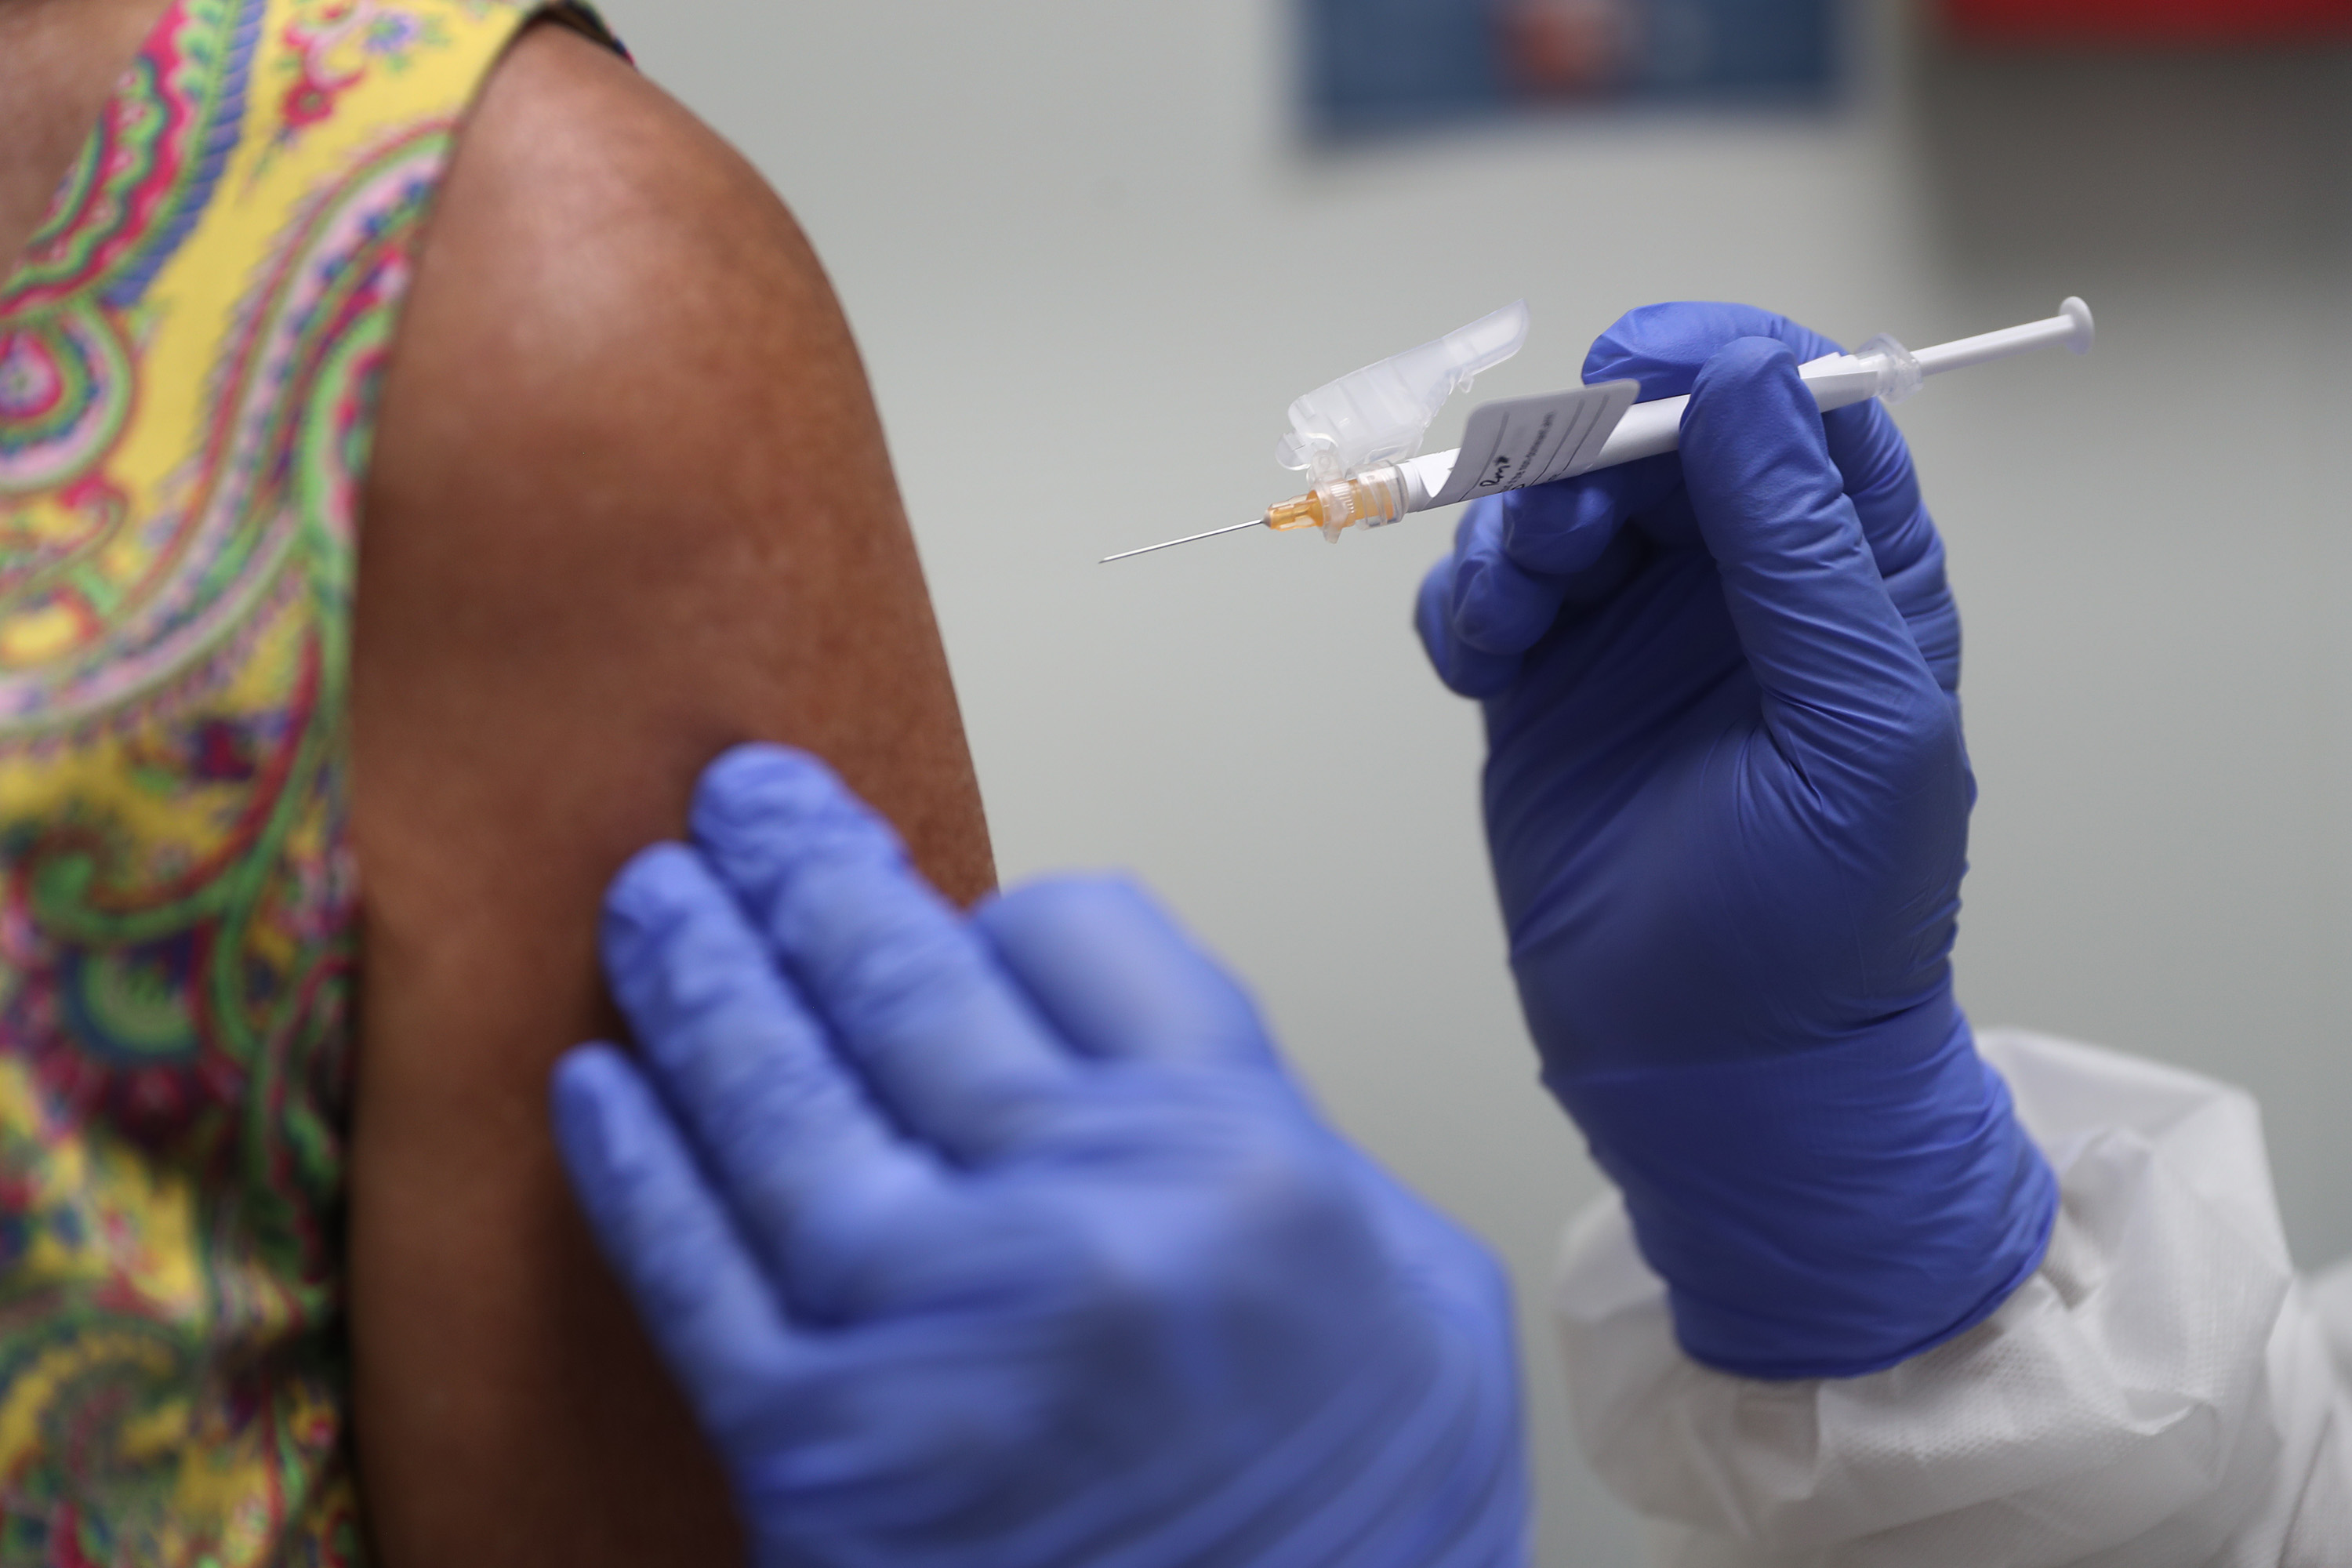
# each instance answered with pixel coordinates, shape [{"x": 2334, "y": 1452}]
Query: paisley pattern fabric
[{"x": 189, "y": 352}]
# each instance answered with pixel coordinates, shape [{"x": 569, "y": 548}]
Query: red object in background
[
  {"x": 1556, "y": 48},
  {"x": 2151, "y": 21}
]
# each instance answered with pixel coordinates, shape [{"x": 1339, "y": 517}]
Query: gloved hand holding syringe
[{"x": 1357, "y": 437}]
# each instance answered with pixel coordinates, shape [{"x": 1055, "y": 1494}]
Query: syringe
[{"x": 1357, "y": 434}]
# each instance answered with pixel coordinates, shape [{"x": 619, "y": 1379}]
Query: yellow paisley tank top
[{"x": 189, "y": 355}]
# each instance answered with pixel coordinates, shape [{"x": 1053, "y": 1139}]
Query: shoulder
[
  {"x": 578, "y": 182},
  {"x": 607, "y": 281},
  {"x": 627, "y": 463}
]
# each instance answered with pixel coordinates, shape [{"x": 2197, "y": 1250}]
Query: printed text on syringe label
[{"x": 1520, "y": 441}]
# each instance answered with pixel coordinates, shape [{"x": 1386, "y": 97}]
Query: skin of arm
[{"x": 630, "y": 505}]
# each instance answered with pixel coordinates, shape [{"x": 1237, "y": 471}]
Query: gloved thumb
[{"x": 1839, "y": 669}]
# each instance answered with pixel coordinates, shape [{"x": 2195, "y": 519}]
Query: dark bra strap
[{"x": 581, "y": 18}]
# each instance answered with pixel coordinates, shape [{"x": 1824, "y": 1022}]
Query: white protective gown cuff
[{"x": 2160, "y": 1392}]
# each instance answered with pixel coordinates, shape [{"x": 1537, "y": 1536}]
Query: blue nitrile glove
[
  {"x": 1727, "y": 801},
  {"x": 1003, "y": 1242}
]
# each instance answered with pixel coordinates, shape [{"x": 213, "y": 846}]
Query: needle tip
[{"x": 1236, "y": 528}]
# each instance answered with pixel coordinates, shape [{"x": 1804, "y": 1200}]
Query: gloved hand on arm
[
  {"x": 1726, "y": 798},
  {"x": 1004, "y": 1241}
]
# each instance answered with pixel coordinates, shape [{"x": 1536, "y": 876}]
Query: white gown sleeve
[{"x": 2163, "y": 1391}]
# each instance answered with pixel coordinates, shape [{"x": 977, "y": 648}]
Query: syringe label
[{"x": 1519, "y": 441}]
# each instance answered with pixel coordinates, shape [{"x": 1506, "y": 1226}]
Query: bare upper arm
[{"x": 630, "y": 504}]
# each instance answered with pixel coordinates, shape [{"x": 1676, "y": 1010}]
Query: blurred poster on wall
[
  {"x": 2146, "y": 22},
  {"x": 1388, "y": 65}
]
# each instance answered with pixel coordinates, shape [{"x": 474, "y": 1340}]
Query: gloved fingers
[
  {"x": 1116, "y": 976},
  {"x": 1876, "y": 464},
  {"x": 1663, "y": 346},
  {"x": 781, "y": 1120},
  {"x": 1466, "y": 671},
  {"x": 1838, "y": 666},
  {"x": 1523, "y": 560},
  {"x": 913, "y": 994},
  {"x": 1477, "y": 610},
  {"x": 1495, "y": 604},
  {"x": 1565, "y": 530},
  {"x": 698, "y": 1290}
]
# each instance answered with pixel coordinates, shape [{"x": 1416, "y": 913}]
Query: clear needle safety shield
[{"x": 1381, "y": 412}]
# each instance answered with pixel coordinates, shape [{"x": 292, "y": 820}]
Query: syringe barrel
[
  {"x": 1655, "y": 427},
  {"x": 1646, "y": 430},
  {"x": 1880, "y": 368}
]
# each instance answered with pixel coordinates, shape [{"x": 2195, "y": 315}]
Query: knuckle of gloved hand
[
  {"x": 1664, "y": 346},
  {"x": 647, "y": 904},
  {"x": 849, "y": 1266},
  {"x": 1270, "y": 1169},
  {"x": 1469, "y": 1266},
  {"x": 1292, "y": 1192},
  {"x": 1126, "y": 1285},
  {"x": 1437, "y": 583},
  {"x": 1007, "y": 1110},
  {"x": 1918, "y": 751},
  {"x": 1499, "y": 620},
  {"x": 1050, "y": 915},
  {"x": 1216, "y": 1258},
  {"x": 1657, "y": 344},
  {"x": 697, "y": 983},
  {"x": 1434, "y": 624},
  {"x": 1869, "y": 447},
  {"x": 1470, "y": 602},
  {"x": 750, "y": 1088},
  {"x": 902, "y": 977},
  {"x": 1043, "y": 906},
  {"x": 1429, "y": 610},
  {"x": 1481, "y": 676},
  {"x": 1557, "y": 528},
  {"x": 1746, "y": 370},
  {"x": 1457, "y": 1270}
]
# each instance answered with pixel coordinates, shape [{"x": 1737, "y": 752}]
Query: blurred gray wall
[{"x": 1090, "y": 265}]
